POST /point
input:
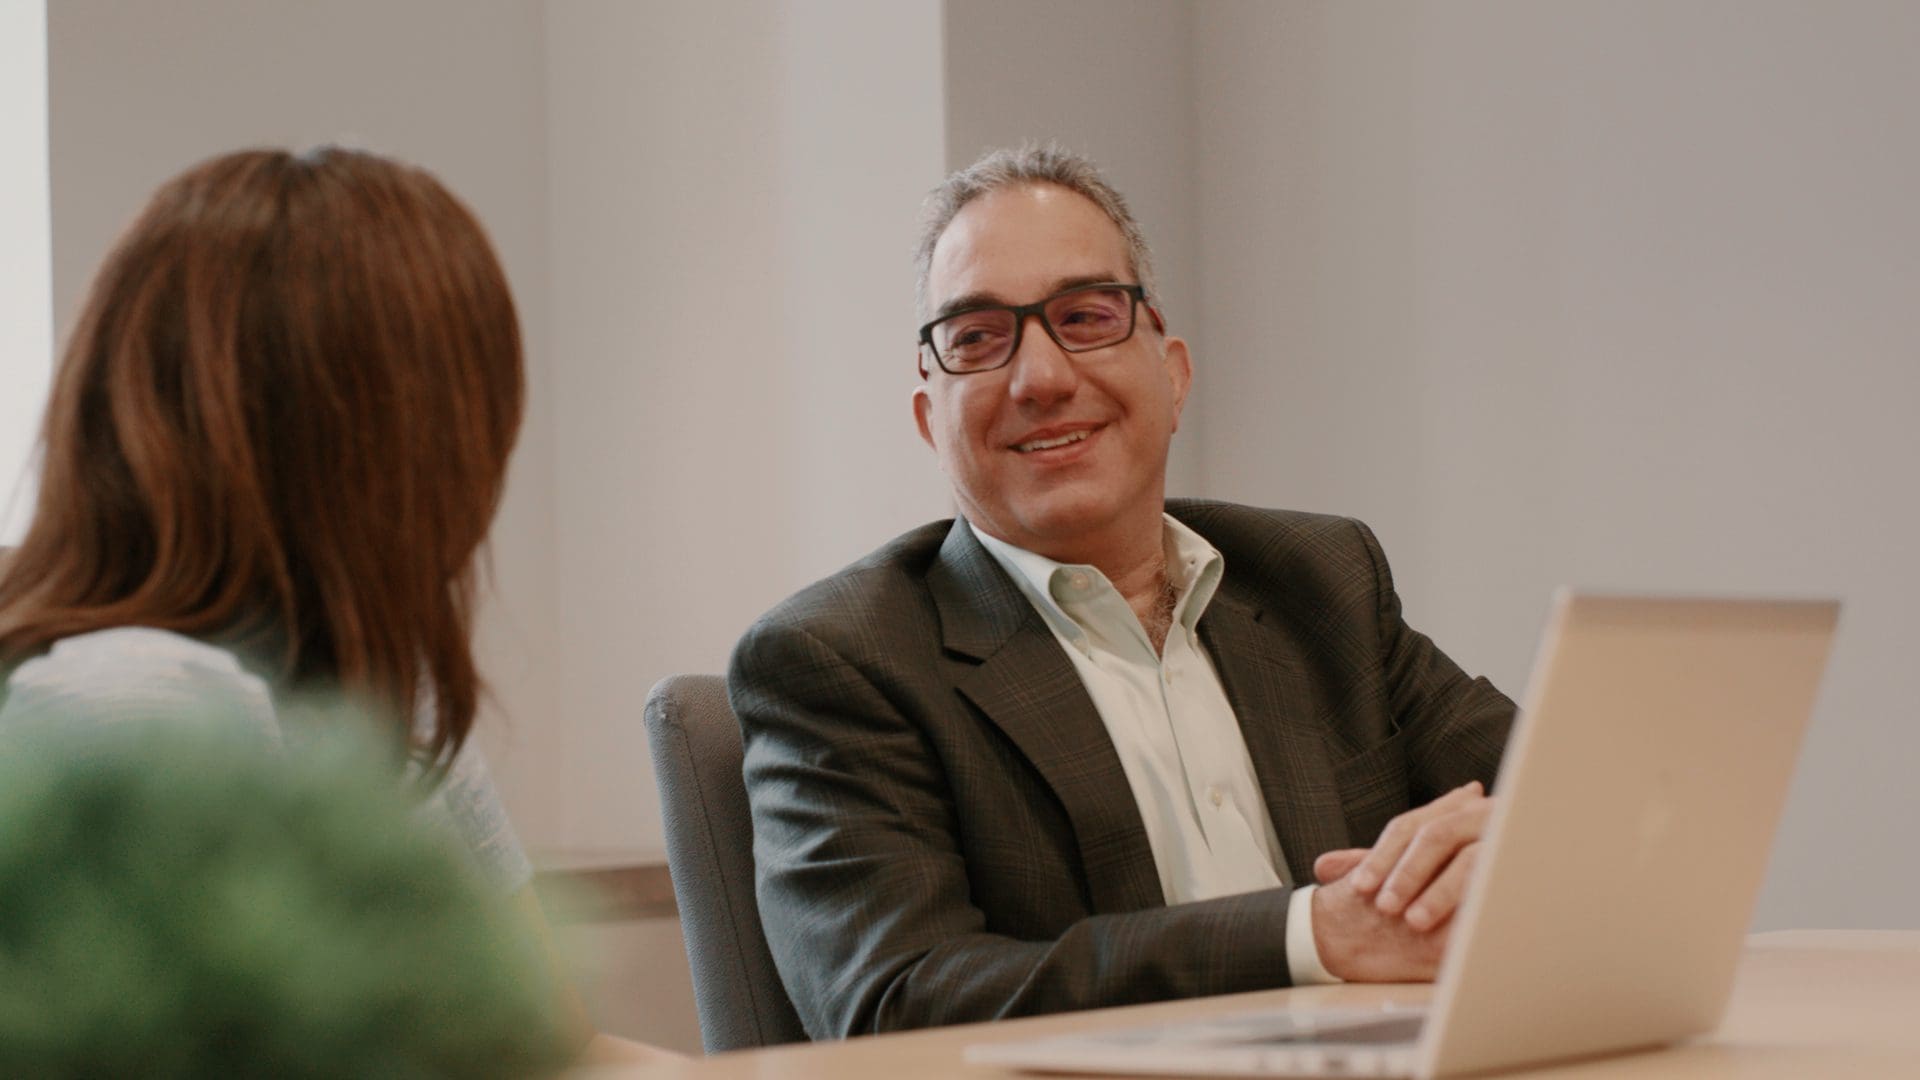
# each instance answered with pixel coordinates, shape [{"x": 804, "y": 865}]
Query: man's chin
[{"x": 1065, "y": 526}]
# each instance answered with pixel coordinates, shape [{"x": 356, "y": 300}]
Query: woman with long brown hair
[{"x": 274, "y": 445}]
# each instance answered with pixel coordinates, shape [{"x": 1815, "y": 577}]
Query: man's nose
[{"x": 1043, "y": 372}]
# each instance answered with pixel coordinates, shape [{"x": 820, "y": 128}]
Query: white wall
[
  {"x": 26, "y": 310},
  {"x": 1613, "y": 294},
  {"x": 705, "y": 211},
  {"x": 1112, "y": 79},
  {"x": 732, "y": 192},
  {"x": 140, "y": 91}
]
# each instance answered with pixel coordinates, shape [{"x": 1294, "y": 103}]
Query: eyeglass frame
[{"x": 1021, "y": 312}]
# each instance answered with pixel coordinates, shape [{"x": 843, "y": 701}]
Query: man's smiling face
[{"x": 1064, "y": 454}]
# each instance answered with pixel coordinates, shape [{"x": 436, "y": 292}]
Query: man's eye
[
  {"x": 975, "y": 336},
  {"x": 1088, "y": 316}
]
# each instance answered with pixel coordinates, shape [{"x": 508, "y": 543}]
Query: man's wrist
[{"x": 1303, "y": 949}]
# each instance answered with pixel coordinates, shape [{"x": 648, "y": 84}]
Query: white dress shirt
[{"x": 1172, "y": 727}]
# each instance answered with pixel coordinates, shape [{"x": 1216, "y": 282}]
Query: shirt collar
[
  {"x": 1193, "y": 565},
  {"x": 1196, "y": 568}
]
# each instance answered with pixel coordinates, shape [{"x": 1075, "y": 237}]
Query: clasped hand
[{"x": 1381, "y": 914}]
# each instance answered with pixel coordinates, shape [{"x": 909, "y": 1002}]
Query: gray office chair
[{"x": 696, "y": 758}]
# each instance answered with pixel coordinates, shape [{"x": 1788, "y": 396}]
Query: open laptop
[{"x": 1637, "y": 802}]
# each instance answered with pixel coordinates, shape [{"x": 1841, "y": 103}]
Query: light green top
[{"x": 138, "y": 674}]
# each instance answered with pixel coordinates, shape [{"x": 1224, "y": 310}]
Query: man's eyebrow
[
  {"x": 966, "y": 302},
  {"x": 980, "y": 299},
  {"x": 1075, "y": 282}
]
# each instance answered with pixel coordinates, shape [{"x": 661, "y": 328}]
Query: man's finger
[
  {"x": 1393, "y": 841},
  {"x": 1442, "y": 898},
  {"x": 1431, "y": 849},
  {"x": 1331, "y": 866}
]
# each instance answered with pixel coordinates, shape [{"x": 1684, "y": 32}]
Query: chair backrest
[{"x": 696, "y": 758}]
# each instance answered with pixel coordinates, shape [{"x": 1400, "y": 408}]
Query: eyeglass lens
[{"x": 1081, "y": 319}]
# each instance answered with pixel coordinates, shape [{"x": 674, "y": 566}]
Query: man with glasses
[{"x": 1083, "y": 746}]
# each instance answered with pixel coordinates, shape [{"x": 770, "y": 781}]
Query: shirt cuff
[{"x": 1303, "y": 956}]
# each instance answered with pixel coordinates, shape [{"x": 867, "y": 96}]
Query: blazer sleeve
[
  {"x": 863, "y": 886},
  {"x": 1454, "y": 727}
]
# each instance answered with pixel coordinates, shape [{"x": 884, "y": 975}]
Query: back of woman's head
[{"x": 282, "y": 422}]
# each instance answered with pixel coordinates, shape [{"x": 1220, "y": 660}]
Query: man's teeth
[{"x": 1048, "y": 444}]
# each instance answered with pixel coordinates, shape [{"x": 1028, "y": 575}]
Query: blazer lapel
[
  {"x": 1273, "y": 703},
  {"x": 1027, "y": 687}
]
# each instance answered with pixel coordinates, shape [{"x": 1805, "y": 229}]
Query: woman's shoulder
[{"x": 136, "y": 673}]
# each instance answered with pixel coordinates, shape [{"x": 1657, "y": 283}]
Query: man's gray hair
[{"x": 1030, "y": 163}]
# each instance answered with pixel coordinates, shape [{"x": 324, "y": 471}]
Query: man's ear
[
  {"x": 1179, "y": 373},
  {"x": 922, "y": 409}
]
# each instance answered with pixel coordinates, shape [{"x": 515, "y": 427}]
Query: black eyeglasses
[{"x": 1079, "y": 319}]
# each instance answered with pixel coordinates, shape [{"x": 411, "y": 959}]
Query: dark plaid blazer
[{"x": 942, "y": 829}]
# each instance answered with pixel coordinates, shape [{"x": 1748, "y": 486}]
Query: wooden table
[{"x": 1806, "y": 1004}]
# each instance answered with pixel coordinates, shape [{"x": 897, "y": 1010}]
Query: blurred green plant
[{"x": 174, "y": 903}]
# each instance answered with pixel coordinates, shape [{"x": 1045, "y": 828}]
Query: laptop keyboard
[
  {"x": 1400, "y": 1029},
  {"x": 1349, "y": 1027},
  {"x": 1369, "y": 1027}
]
